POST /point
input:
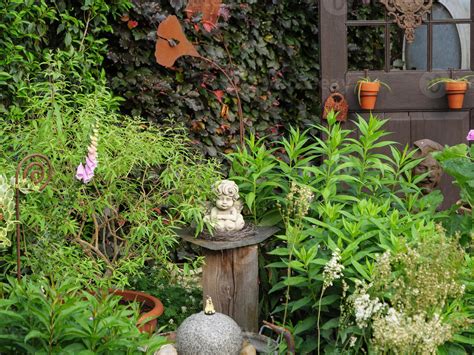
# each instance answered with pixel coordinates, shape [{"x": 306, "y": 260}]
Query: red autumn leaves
[
  {"x": 131, "y": 24},
  {"x": 210, "y": 10}
]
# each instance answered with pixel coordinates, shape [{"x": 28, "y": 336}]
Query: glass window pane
[
  {"x": 397, "y": 39},
  {"x": 416, "y": 53},
  {"x": 365, "y": 10},
  {"x": 457, "y": 9},
  {"x": 451, "y": 46},
  {"x": 366, "y": 47}
]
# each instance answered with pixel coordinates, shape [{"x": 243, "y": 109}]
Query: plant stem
[
  {"x": 319, "y": 317},
  {"x": 236, "y": 90},
  {"x": 288, "y": 275},
  {"x": 86, "y": 29}
]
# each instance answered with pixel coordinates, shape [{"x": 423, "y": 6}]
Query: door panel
[
  {"x": 413, "y": 111},
  {"x": 443, "y": 127},
  {"x": 397, "y": 123},
  {"x": 408, "y": 90}
]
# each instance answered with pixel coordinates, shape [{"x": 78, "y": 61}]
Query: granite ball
[{"x": 203, "y": 334}]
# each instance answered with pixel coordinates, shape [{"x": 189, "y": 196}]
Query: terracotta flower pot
[
  {"x": 368, "y": 94},
  {"x": 151, "y": 307},
  {"x": 455, "y": 92}
]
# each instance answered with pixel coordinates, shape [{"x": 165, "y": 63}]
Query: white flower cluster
[
  {"x": 365, "y": 308},
  {"x": 333, "y": 269},
  {"x": 352, "y": 341},
  {"x": 402, "y": 334}
]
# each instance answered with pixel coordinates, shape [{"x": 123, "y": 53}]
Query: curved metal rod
[
  {"x": 36, "y": 168},
  {"x": 290, "y": 342}
]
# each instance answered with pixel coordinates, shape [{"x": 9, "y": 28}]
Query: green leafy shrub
[
  {"x": 180, "y": 292},
  {"x": 458, "y": 161},
  {"x": 33, "y": 30},
  {"x": 413, "y": 302},
  {"x": 57, "y": 317},
  {"x": 148, "y": 181},
  {"x": 364, "y": 203}
]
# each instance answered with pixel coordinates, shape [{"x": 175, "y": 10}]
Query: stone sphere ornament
[
  {"x": 209, "y": 333},
  {"x": 225, "y": 216}
]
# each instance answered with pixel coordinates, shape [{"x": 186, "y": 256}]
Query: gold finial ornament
[{"x": 209, "y": 309}]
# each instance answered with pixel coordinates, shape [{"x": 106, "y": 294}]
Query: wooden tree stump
[{"x": 230, "y": 275}]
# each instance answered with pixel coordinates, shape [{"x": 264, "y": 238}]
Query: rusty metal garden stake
[
  {"x": 37, "y": 168},
  {"x": 290, "y": 342}
]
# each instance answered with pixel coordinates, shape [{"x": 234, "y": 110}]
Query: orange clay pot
[
  {"x": 455, "y": 92},
  {"x": 368, "y": 94},
  {"x": 151, "y": 308}
]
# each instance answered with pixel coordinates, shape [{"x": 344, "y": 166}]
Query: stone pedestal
[{"x": 230, "y": 275}]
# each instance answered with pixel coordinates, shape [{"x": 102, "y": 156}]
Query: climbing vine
[{"x": 270, "y": 48}]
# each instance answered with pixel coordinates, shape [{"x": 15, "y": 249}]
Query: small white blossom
[
  {"x": 393, "y": 317},
  {"x": 352, "y": 341},
  {"x": 365, "y": 308},
  {"x": 333, "y": 269}
]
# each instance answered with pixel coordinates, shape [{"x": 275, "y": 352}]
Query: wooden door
[{"x": 355, "y": 37}]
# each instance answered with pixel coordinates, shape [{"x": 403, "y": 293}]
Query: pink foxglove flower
[
  {"x": 85, "y": 173},
  {"x": 470, "y": 135}
]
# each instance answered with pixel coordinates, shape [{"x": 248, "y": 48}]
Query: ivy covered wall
[{"x": 269, "y": 48}]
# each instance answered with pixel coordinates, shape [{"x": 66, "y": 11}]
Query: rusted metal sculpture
[
  {"x": 408, "y": 14},
  {"x": 36, "y": 169},
  {"x": 336, "y": 102},
  {"x": 172, "y": 43},
  {"x": 208, "y": 8},
  {"x": 290, "y": 342}
]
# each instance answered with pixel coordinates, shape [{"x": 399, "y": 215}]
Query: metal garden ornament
[{"x": 408, "y": 14}]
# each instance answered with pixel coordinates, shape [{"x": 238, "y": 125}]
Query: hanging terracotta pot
[
  {"x": 368, "y": 92},
  {"x": 455, "y": 91}
]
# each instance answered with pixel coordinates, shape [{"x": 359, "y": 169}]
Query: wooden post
[{"x": 230, "y": 275}]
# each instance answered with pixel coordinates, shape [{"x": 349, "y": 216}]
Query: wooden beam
[
  {"x": 333, "y": 45},
  {"x": 230, "y": 277}
]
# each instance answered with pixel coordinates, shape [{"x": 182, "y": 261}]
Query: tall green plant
[
  {"x": 251, "y": 168},
  {"x": 57, "y": 317},
  {"x": 32, "y": 31},
  {"x": 365, "y": 202},
  {"x": 148, "y": 179}
]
